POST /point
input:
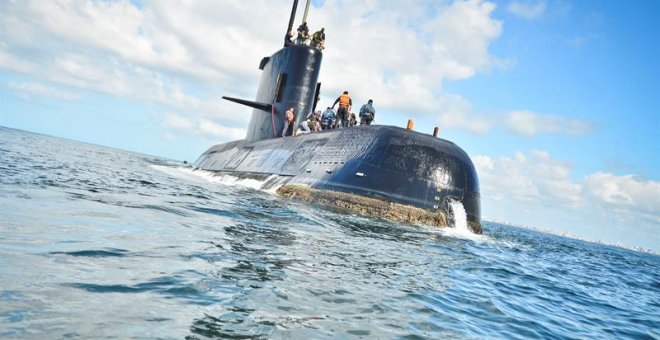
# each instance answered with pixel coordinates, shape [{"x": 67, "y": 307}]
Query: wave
[
  {"x": 571, "y": 236},
  {"x": 269, "y": 184},
  {"x": 457, "y": 229}
]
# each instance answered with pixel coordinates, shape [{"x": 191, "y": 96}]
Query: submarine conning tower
[{"x": 289, "y": 79}]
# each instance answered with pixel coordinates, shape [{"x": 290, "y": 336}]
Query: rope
[{"x": 273, "y": 119}]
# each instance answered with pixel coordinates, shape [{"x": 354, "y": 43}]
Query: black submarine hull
[
  {"x": 379, "y": 163},
  {"x": 383, "y": 162}
]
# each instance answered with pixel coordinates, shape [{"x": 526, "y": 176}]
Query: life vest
[{"x": 344, "y": 100}]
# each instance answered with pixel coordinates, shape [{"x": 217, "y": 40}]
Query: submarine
[{"x": 378, "y": 170}]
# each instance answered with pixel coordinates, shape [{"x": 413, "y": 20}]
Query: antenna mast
[
  {"x": 306, "y": 11},
  {"x": 291, "y": 18}
]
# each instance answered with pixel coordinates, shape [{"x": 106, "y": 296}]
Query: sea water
[{"x": 101, "y": 243}]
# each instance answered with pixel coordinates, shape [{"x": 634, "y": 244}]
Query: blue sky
[{"x": 557, "y": 102}]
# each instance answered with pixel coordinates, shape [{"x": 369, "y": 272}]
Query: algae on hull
[{"x": 367, "y": 206}]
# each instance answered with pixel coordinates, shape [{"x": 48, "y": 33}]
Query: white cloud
[
  {"x": 456, "y": 112},
  {"x": 399, "y": 53},
  {"x": 394, "y": 52},
  {"x": 527, "y": 10},
  {"x": 200, "y": 126},
  {"x": 528, "y": 123},
  {"x": 214, "y": 129},
  {"x": 178, "y": 122},
  {"x": 31, "y": 89},
  {"x": 537, "y": 190},
  {"x": 13, "y": 63},
  {"x": 535, "y": 177},
  {"x": 627, "y": 192}
]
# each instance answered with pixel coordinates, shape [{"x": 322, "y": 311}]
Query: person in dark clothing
[
  {"x": 328, "y": 119},
  {"x": 345, "y": 103},
  {"x": 367, "y": 113},
  {"x": 289, "y": 38},
  {"x": 303, "y": 34}
]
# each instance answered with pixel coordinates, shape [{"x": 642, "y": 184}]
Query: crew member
[
  {"x": 289, "y": 119},
  {"x": 345, "y": 104},
  {"x": 352, "y": 120},
  {"x": 303, "y": 34},
  {"x": 313, "y": 121},
  {"x": 290, "y": 38},
  {"x": 318, "y": 39},
  {"x": 303, "y": 128},
  {"x": 328, "y": 119},
  {"x": 367, "y": 113}
]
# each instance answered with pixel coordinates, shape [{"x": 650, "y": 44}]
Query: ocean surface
[{"x": 100, "y": 243}]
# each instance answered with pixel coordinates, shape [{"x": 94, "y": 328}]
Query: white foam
[
  {"x": 459, "y": 227},
  {"x": 460, "y": 216},
  {"x": 269, "y": 185},
  {"x": 182, "y": 172}
]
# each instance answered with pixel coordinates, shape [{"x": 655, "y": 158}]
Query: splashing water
[
  {"x": 457, "y": 220},
  {"x": 459, "y": 215},
  {"x": 269, "y": 184}
]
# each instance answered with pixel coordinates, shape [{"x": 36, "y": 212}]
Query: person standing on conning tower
[
  {"x": 318, "y": 39},
  {"x": 290, "y": 37},
  {"x": 345, "y": 103},
  {"x": 303, "y": 34}
]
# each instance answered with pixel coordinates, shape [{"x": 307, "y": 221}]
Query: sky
[{"x": 556, "y": 102}]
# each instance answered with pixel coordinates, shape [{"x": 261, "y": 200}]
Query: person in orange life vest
[
  {"x": 289, "y": 118},
  {"x": 345, "y": 103}
]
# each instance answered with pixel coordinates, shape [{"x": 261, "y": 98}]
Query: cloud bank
[
  {"x": 32, "y": 89},
  {"x": 543, "y": 192},
  {"x": 528, "y": 123},
  {"x": 185, "y": 55}
]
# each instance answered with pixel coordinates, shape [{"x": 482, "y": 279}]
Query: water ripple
[
  {"x": 93, "y": 253},
  {"x": 162, "y": 252}
]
